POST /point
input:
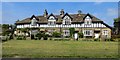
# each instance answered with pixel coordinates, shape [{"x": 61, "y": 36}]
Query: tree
[
  {"x": 117, "y": 26},
  {"x": 72, "y": 30},
  {"x": 117, "y": 19},
  {"x": 80, "y": 35},
  {"x": 5, "y": 27}
]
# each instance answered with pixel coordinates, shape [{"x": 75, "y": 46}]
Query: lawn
[{"x": 54, "y": 49}]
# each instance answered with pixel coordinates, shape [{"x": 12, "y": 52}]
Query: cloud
[{"x": 112, "y": 12}]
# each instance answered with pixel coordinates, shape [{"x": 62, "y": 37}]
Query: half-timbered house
[{"x": 88, "y": 24}]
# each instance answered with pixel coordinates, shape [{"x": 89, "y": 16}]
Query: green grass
[{"x": 47, "y": 48}]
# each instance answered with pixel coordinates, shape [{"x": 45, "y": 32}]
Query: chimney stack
[
  {"x": 61, "y": 12},
  {"x": 79, "y": 12},
  {"x": 45, "y": 13}
]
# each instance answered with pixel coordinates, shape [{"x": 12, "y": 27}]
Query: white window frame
[
  {"x": 66, "y": 20},
  {"x": 88, "y": 20},
  {"x": 105, "y": 32},
  {"x": 66, "y": 32},
  {"x": 51, "y": 20},
  {"x": 88, "y": 32},
  {"x": 34, "y": 24}
]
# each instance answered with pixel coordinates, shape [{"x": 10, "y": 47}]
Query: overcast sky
[{"x": 12, "y": 11}]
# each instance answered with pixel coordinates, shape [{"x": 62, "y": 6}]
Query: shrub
[
  {"x": 24, "y": 37},
  {"x": 72, "y": 30},
  {"x": 80, "y": 35},
  {"x": 45, "y": 37},
  {"x": 96, "y": 39},
  {"x": 108, "y": 39},
  {"x": 56, "y": 34},
  {"x": 39, "y": 35},
  {"x": 21, "y": 37},
  {"x": 115, "y": 36}
]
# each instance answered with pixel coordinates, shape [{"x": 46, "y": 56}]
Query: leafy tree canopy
[{"x": 117, "y": 19}]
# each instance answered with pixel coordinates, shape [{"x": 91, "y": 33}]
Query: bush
[
  {"x": 115, "y": 36},
  {"x": 39, "y": 35},
  {"x": 45, "y": 37},
  {"x": 80, "y": 35},
  {"x": 72, "y": 30},
  {"x": 24, "y": 37},
  {"x": 56, "y": 34},
  {"x": 96, "y": 39},
  {"x": 108, "y": 39},
  {"x": 21, "y": 37}
]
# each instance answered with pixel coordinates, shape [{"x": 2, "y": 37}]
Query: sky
[{"x": 12, "y": 11}]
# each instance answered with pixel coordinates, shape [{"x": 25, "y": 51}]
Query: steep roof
[{"x": 76, "y": 19}]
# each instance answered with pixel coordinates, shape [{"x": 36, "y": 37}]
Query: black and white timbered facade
[{"x": 88, "y": 24}]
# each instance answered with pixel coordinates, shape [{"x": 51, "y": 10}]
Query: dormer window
[
  {"x": 51, "y": 19},
  {"x": 67, "y": 19},
  {"x": 33, "y": 22},
  {"x": 88, "y": 19}
]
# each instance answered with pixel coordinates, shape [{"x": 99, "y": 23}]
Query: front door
[
  {"x": 97, "y": 34},
  {"x": 76, "y": 36}
]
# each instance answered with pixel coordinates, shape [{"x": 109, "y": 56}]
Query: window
[
  {"x": 105, "y": 32},
  {"x": 51, "y": 18},
  {"x": 66, "y": 20},
  {"x": 33, "y": 22},
  {"x": 66, "y": 32},
  {"x": 87, "y": 20},
  {"x": 88, "y": 33},
  {"x": 51, "y": 22}
]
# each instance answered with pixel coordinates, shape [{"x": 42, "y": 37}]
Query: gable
[
  {"x": 34, "y": 17},
  {"x": 51, "y": 17},
  {"x": 74, "y": 19},
  {"x": 67, "y": 16},
  {"x": 87, "y": 16}
]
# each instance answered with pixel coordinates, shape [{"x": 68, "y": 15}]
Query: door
[
  {"x": 76, "y": 36},
  {"x": 97, "y": 34}
]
